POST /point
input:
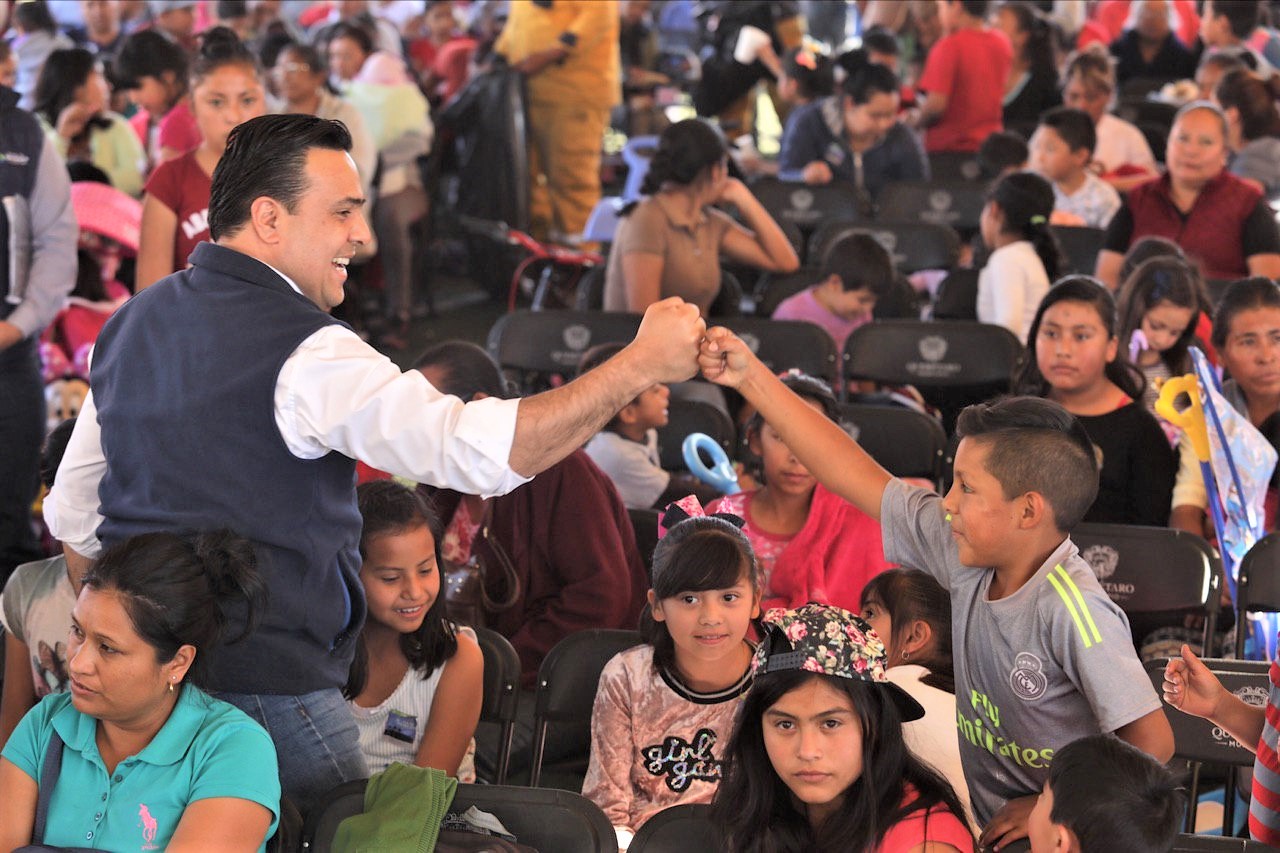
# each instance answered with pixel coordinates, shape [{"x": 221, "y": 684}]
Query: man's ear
[
  {"x": 1033, "y": 509},
  {"x": 265, "y": 218}
]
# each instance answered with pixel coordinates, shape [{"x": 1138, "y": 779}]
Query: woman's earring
[
  {"x": 906, "y": 655},
  {"x": 171, "y": 682}
]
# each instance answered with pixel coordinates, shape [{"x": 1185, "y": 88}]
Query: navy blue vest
[
  {"x": 184, "y": 379},
  {"x": 21, "y": 142}
]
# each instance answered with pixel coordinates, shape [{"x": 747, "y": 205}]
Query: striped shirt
[{"x": 1264, "y": 810}]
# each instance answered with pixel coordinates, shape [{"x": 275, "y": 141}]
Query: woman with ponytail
[
  {"x": 1032, "y": 86},
  {"x": 669, "y": 244},
  {"x": 1024, "y": 254},
  {"x": 147, "y": 757}
]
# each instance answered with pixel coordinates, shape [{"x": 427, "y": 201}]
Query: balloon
[{"x": 721, "y": 474}]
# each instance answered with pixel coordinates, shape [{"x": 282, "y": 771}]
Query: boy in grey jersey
[{"x": 1042, "y": 655}]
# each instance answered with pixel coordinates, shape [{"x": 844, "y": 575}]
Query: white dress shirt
[{"x": 334, "y": 392}]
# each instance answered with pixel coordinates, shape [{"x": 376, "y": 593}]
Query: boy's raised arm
[{"x": 825, "y": 449}]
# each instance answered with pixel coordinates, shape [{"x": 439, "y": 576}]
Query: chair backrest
[
  {"x": 590, "y": 295},
  {"x": 783, "y": 344},
  {"x": 1157, "y": 136},
  {"x": 913, "y": 246},
  {"x": 690, "y": 416},
  {"x": 906, "y": 442},
  {"x": 806, "y": 206},
  {"x": 955, "y": 166},
  {"x": 1217, "y": 288},
  {"x": 545, "y": 819},
  {"x": 544, "y": 343},
  {"x": 957, "y": 296},
  {"x": 1151, "y": 569},
  {"x": 678, "y": 829},
  {"x": 603, "y": 221},
  {"x": 1259, "y": 583},
  {"x": 637, "y": 154},
  {"x": 955, "y": 203},
  {"x": 566, "y": 688},
  {"x": 1080, "y": 247},
  {"x": 1187, "y": 843},
  {"x": 777, "y": 287},
  {"x": 1197, "y": 739},
  {"x": 644, "y": 523},
  {"x": 501, "y": 692},
  {"x": 942, "y": 353}
]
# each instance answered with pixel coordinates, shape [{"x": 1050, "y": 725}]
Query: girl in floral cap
[{"x": 817, "y": 761}]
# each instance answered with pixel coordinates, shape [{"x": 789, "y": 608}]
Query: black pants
[{"x": 22, "y": 416}]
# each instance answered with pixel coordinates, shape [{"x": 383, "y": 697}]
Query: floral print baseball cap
[{"x": 832, "y": 641}]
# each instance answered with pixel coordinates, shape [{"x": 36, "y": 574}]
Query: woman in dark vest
[{"x": 1223, "y": 223}]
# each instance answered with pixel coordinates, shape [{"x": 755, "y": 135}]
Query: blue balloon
[{"x": 721, "y": 474}]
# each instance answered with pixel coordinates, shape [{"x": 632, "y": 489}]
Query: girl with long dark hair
[{"x": 1024, "y": 253}]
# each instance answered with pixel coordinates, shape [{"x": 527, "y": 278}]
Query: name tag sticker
[{"x": 401, "y": 726}]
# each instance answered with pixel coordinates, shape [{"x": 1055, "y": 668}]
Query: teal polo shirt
[{"x": 207, "y": 748}]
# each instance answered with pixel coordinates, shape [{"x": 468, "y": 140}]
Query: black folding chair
[
  {"x": 1154, "y": 569},
  {"x": 543, "y": 818},
  {"x": 678, "y": 829},
  {"x": 1217, "y": 288},
  {"x": 1198, "y": 741},
  {"x": 690, "y": 416},
  {"x": 955, "y": 166},
  {"x": 1188, "y": 843},
  {"x": 955, "y": 203},
  {"x": 952, "y": 362},
  {"x": 501, "y": 692},
  {"x": 644, "y": 523},
  {"x": 566, "y": 692},
  {"x": 777, "y": 287},
  {"x": 806, "y": 206},
  {"x": 1080, "y": 247},
  {"x": 905, "y": 442},
  {"x": 538, "y": 345},
  {"x": 1258, "y": 583},
  {"x": 784, "y": 344},
  {"x": 957, "y": 297},
  {"x": 913, "y": 246}
]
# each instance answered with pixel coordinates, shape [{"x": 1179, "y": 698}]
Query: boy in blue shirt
[{"x": 1042, "y": 655}]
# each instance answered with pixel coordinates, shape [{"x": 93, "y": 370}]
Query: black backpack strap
[{"x": 48, "y": 779}]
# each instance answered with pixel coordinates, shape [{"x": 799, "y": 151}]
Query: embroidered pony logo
[{"x": 149, "y": 827}]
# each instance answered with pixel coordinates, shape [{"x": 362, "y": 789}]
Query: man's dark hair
[
  {"x": 464, "y": 370},
  {"x": 1243, "y": 16},
  {"x": 33, "y": 16},
  {"x": 1001, "y": 151},
  {"x": 267, "y": 156},
  {"x": 1074, "y": 126},
  {"x": 976, "y": 8},
  {"x": 880, "y": 40},
  {"x": 1035, "y": 445},
  {"x": 1113, "y": 796},
  {"x": 148, "y": 54}
]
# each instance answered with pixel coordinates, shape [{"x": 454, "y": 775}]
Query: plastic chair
[
  {"x": 542, "y": 818},
  {"x": 602, "y": 224},
  {"x": 1199, "y": 741},
  {"x": 957, "y": 297},
  {"x": 678, "y": 829},
  {"x": 1187, "y": 843},
  {"x": 913, "y": 246},
  {"x": 955, "y": 166},
  {"x": 1258, "y": 582},
  {"x": 1157, "y": 136},
  {"x": 807, "y": 206},
  {"x": 501, "y": 692},
  {"x": 777, "y": 287},
  {"x": 689, "y": 416},
  {"x": 637, "y": 154},
  {"x": 644, "y": 523},
  {"x": 1080, "y": 247},
  {"x": 543, "y": 344},
  {"x": 784, "y": 344},
  {"x": 956, "y": 203},
  {"x": 905, "y": 442},
  {"x": 566, "y": 692},
  {"x": 1153, "y": 569}
]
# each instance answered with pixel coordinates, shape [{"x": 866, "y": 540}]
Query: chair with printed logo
[
  {"x": 678, "y": 829},
  {"x": 543, "y": 818},
  {"x": 564, "y": 696},
  {"x": 775, "y": 288},
  {"x": 1154, "y": 569},
  {"x": 806, "y": 206},
  {"x": 537, "y": 346},
  {"x": 685, "y": 417},
  {"x": 956, "y": 204},
  {"x": 913, "y": 246},
  {"x": 1198, "y": 741},
  {"x": 905, "y": 442},
  {"x": 952, "y": 362},
  {"x": 786, "y": 344},
  {"x": 955, "y": 166}
]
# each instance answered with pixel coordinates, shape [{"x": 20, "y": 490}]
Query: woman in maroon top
[
  {"x": 226, "y": 89},
  {"x": 1222, "y": 223}
]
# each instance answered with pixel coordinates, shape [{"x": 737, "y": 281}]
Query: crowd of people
[{"x": 266, "y": 557}]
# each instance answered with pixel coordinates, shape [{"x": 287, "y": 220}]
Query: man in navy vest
[
  {"x": 37, "y": 271},
  {"x": 226, "y": 396}
]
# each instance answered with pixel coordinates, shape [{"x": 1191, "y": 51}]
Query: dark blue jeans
[
  {"x": 22, "y": 417},
  {"x": 317, "y": 744}
]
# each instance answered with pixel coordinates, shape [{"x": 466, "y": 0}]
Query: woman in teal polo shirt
[{"x": 150, "y": 761}]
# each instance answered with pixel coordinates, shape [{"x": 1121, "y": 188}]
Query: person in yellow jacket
[{"x": 568, "y": 51}]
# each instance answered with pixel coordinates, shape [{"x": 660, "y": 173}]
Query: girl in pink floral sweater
[{"x": 664, "y": 709}]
